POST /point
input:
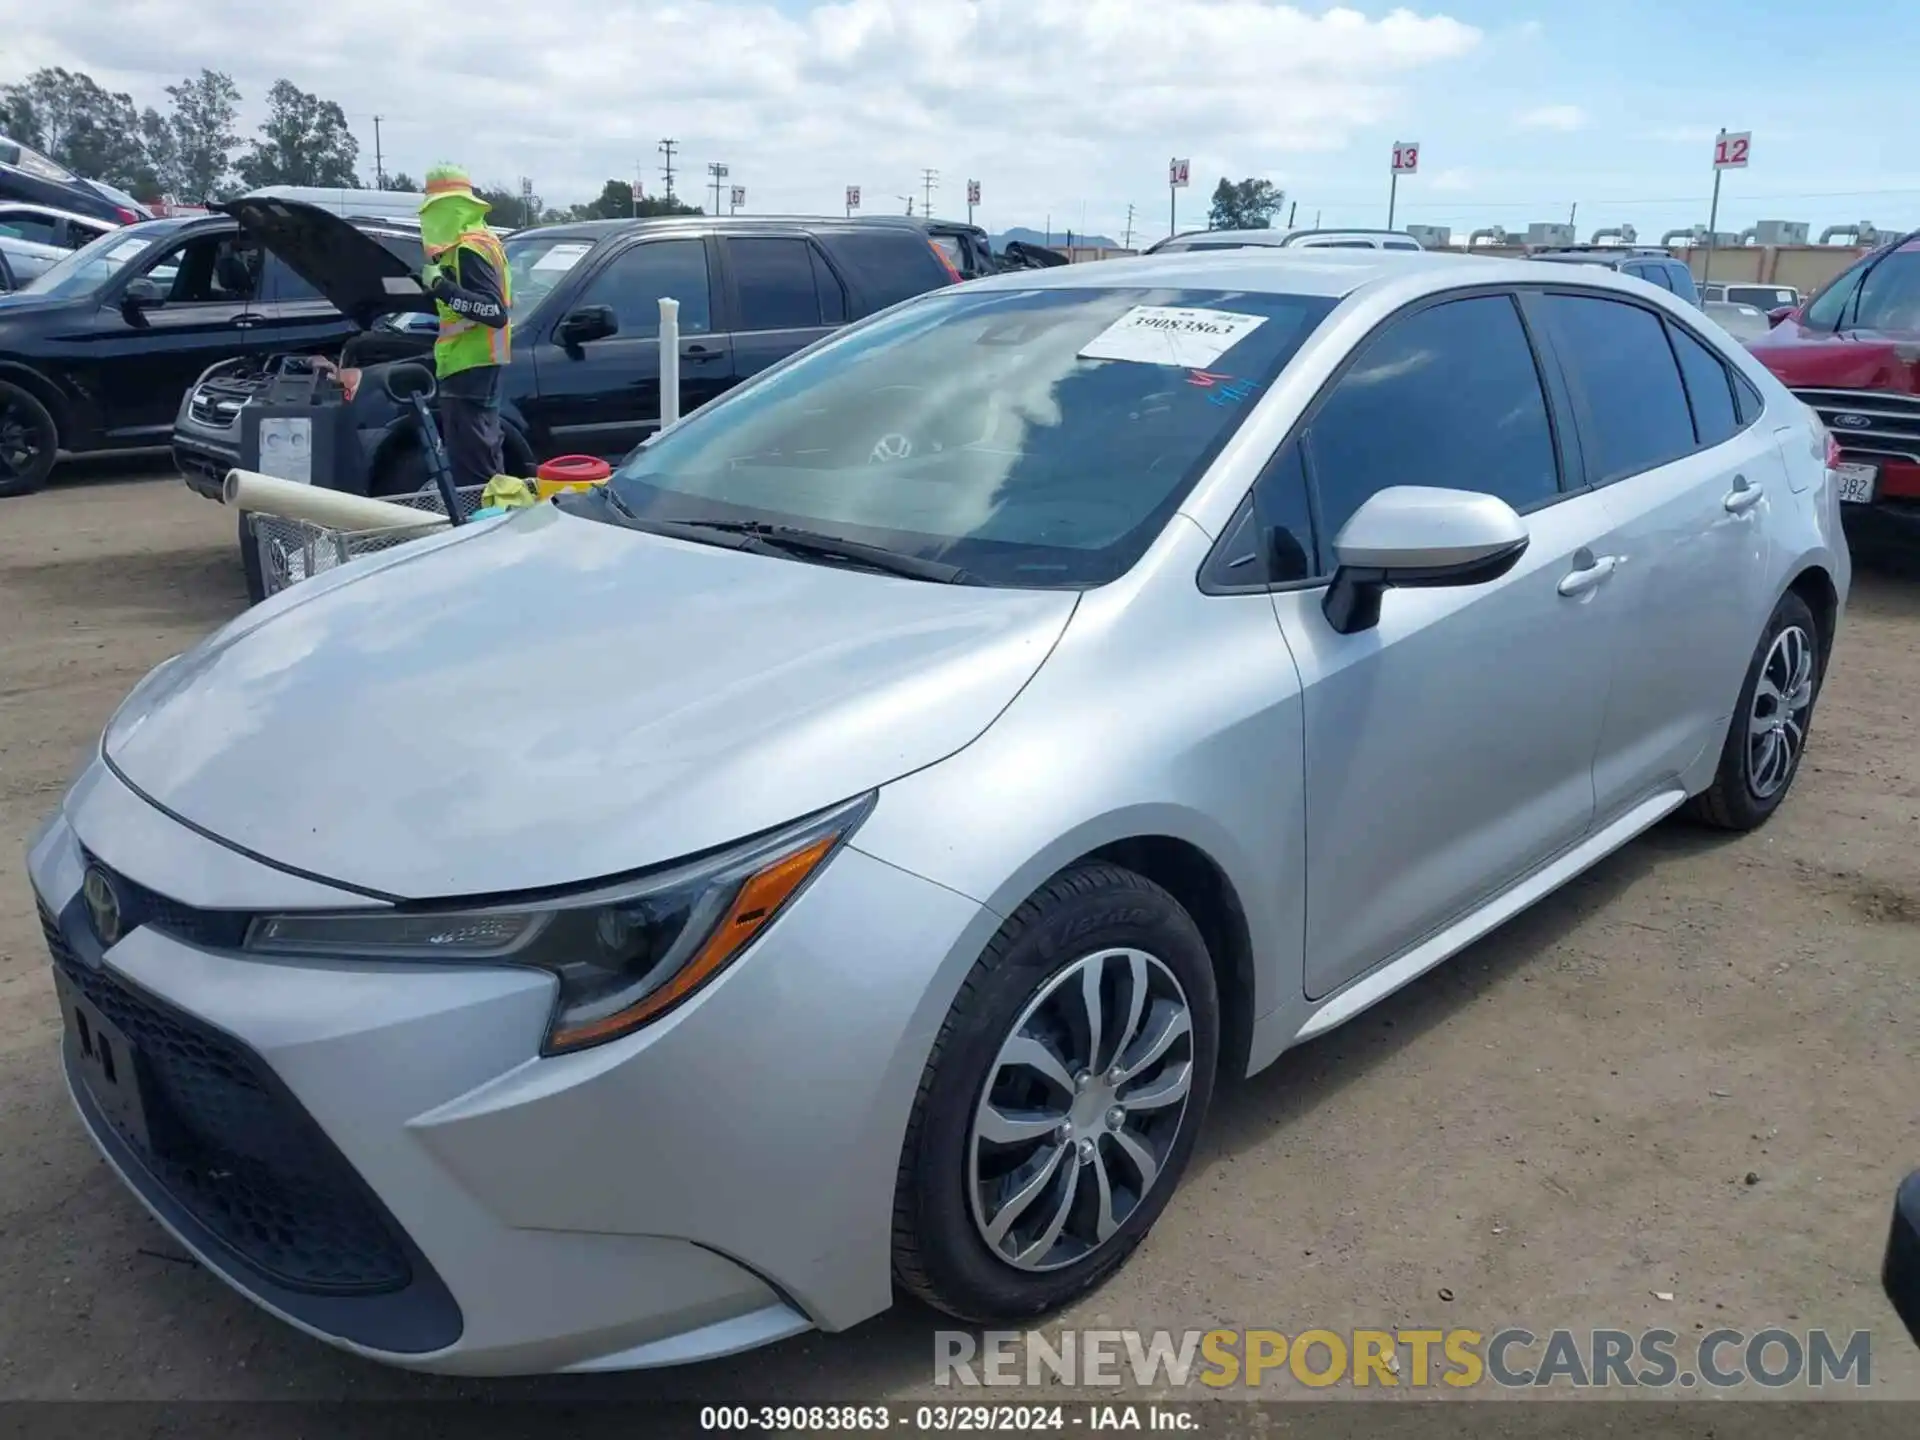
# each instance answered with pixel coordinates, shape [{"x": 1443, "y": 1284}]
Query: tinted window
[
  {"x": 1403, "y": 245},
  {"x": 975, "y": 429},
  {"x": 1679, "y": 279},
  {"x": 25, "y": 225},
  {"x": 636, "y": 280},
  {"x": 1280, "y": 506},
  {"x": 211, "y": 270},
  {"x": 1889, "y": 296},
  {"x": 1449, "y": 397},
  {"x": 1749, "y": 399},
  {"x": 774, "y": 281},
  {"x": 833, "y": 295},
  {"x": 1764, "y": 297},
  {"x": 1623, "y": 372},
  {"x": 1653, "y": 275},
  {"x": 282, "y": 284},
  {"x": 1708, "y": 387},
  {"x": 1340, "y": 245},
  {"x": 887, "y": 265}
]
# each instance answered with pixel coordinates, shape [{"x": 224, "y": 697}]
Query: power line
[{"x": 667, "y": 147}]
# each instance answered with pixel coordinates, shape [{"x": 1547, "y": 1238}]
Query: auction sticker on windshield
[
  {"x": 1166, "y": 335},
  {"x": 562, "y": 257}
]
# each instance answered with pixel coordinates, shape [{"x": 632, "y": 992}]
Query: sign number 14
[{"x": 1730, "y": 151}]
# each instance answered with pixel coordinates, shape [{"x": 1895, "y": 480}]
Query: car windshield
[
  {"x": 93, "y": 264},
  {"x": 1033, "y": 438},
  {"x": 1767, "y": 297},
  {"x": 538, "y": 262}
]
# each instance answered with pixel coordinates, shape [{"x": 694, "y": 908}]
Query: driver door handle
[
  {"x": 699, "y": 354},
  {"x": 1589, "y": 576},
  {"x": 247, "y": 321},
  {"x": 1743, "y": 497}
]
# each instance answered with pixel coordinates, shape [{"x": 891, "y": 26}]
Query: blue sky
[{"x": 1069, "y": 109}]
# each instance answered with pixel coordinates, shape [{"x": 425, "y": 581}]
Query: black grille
[
  {"x": 218, "y": 406},
  {"x": 236, "y": 1151},
  {"x": 1880, "y": 423},
  {"x": 216, "y": 929}
]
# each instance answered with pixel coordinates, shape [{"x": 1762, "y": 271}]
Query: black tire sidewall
[
  {"x": 1736, "y": 759},
  {"x": 1100, "y": 908},
  {"x": 42, "y": 418},
  {"x": 250, "y": 562}
]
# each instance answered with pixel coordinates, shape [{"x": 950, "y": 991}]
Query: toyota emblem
[
  {"x": 1853, "y": 422},
  {"x": 103, "y": 906}
]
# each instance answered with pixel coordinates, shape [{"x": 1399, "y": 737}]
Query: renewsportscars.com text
[{"x": 1510, "y": 1358}]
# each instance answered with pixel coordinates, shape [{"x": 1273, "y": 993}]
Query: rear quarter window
[{"x": 886, "y": 266}]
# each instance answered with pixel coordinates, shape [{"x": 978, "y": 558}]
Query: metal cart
[{"x": 294, "y": 550}]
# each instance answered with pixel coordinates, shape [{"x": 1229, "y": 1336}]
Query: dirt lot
[{"x": 1692, "y": 1074}]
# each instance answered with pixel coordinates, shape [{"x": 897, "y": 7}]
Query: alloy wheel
[
  {"x": 1080, "y": 1109},
  {"x": 1777, "y": 721}
]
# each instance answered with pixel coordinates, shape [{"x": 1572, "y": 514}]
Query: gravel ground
[{"x": 1679, "y": 1093}]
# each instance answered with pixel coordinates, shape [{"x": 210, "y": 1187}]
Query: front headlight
[{"x": 624, "y": 954}]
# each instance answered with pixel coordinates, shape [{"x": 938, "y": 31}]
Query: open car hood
[{"x": 358, "y": 275}]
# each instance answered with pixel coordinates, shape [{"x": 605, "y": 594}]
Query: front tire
[
  {"x": 29, "y": 441},
  {"x": 1061, "y": 1102},
  {"x": 1768, "y": 733}
]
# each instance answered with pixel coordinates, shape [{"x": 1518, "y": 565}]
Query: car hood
[
  {"x": 346, "y": 265},
  {"x": 547, "y": 700},
  {"x": 1848, "y": 360}
]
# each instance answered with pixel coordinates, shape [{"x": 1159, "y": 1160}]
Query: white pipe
[
  {"x": 266, "y": 495},
  {"x": 669, "y": 363}
]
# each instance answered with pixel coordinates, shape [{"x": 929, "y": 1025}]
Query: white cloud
[
  {"x": 1051, "y": 104},
  {"x": 1553, "y": 117},
  {"x": 1452, "y": 181}
]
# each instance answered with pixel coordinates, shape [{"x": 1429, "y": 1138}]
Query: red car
[{"x": 1852, "y": 352}]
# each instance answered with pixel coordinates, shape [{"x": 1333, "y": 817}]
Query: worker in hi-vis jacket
[{"x": 468, "y": 278}]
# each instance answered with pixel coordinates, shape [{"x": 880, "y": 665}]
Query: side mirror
[
  {"x": 1779, "y": 313},
  {"x": 589, "y": 322},
  {"x": 406, "y": 380},
  {"x": 143, "y": 294},
  {"x": 1415, "y": 535}
]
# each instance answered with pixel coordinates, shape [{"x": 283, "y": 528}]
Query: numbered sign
[
  {"x": 1177, "y": 173},
  {"x": 739, "y": 196},
  {"x": 1730, "y": 151},
  {"x": 853, "y": 197},
  {"x": 1406, "y": 157},
  {"x": 973, "y": 192}
]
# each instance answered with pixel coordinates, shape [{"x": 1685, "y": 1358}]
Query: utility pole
[
  {"x": 379, "y": 168},
  {"x": 929, "y": 179},
  {"x": 1127, "y": 242},
  {"x": 1290, "y": 209},
  {"x": 719, "y": 173},
  {"x": 1572, "y": 211},
  {"x": 667, "y": 147},
  {"x": 526, "y": 202},
  {"x": 639, "y": 174}
]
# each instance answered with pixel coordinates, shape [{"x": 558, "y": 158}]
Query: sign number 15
[{"x": 1730, "y": 151}]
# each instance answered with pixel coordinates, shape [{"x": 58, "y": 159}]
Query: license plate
[
  {"x": 109, "y": 1066},
  {"x": 1857, "y": 482}
]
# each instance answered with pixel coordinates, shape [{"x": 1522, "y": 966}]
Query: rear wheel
[
  {"x": 29, "y": 441},
  {"x": 1768, "y": 734}
]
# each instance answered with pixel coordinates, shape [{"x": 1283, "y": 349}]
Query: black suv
[
  {"x": 96, "y": 352},
  {"x": 584, "y": 377},
  {"x": 1656, "y": 267}
]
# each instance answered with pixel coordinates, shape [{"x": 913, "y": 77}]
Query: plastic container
[{"x": 570, "y": 472}]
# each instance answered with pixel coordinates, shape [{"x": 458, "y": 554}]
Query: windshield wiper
[{"x": 795, "y": 541}]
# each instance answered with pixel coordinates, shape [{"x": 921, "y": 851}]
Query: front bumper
[{"x": 722, "y": 1179}]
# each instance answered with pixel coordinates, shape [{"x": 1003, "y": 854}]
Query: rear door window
[
  {"x": 833, "y": 295},
  {"x": 1709, "y": 388},
  {"x": 283, "y": 285},
  {"x": 1626, "y": 384},
  {"x": 26, "y": 225},
  {"x": 1679, "y": 279},
  {"x": 887, "y": 266},
  {"x": 774, "y": 283},
  {"x": 1449, "y": 396}
]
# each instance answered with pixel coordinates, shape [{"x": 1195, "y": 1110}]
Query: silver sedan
[{"x": 837, "y": 857}]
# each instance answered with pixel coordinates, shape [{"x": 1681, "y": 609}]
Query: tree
[
  {"x": 198, "y": 161},
  {"x": 615, "y": 202},
  {"x": 91, "y": 131},
  {"x": 303, "y": 141},
  {"x": 400, "y": 180},
  {"x": 1249, "y": 205},
  {"x": 509, "y": 207}
]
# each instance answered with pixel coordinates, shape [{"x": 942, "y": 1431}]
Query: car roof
[
  {"x": 597, "y": 230},
  {"x": 91, "y": 221},
  {"x": 1262, "y": 269}
]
